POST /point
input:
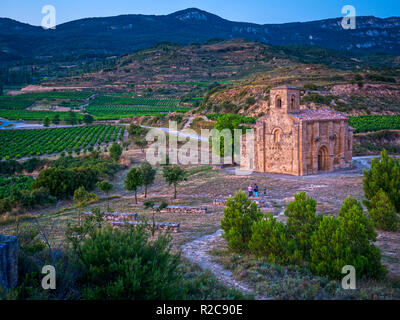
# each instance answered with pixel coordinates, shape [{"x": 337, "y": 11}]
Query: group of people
[{"x": 253, "y": 191}]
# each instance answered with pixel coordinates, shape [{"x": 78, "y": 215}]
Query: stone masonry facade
[{"x": 296, "y": 141}]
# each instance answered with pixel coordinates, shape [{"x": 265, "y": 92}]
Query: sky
[{"x": 257, "y": 11}]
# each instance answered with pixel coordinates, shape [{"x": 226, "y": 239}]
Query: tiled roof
[
  {"x": 319, "y": 114},
  {"x": 285, "y": 87}
]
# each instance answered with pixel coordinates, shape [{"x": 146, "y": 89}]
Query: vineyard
[
  {"x": 110, "y": 100},
  {"x": 375, "y": 123},
  {"x": 25, "y": 143},
  {"x": 134, "y": 109},
  {"x": 33, "y": 115},
  {"x": 102, "y": 116},
  {"x": 23, "y": 101}
]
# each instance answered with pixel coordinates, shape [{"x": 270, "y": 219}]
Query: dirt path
[
  {"x": 197, "y": 252},
  {"x": 188, "y": 123}
]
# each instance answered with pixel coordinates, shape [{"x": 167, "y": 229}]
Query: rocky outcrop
[{"x": 8, "y": 262}]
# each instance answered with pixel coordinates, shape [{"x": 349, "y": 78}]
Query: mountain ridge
[{"x": 128, "y": 33}]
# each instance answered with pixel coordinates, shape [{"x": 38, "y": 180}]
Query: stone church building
[{"x": 298, "y": 141}]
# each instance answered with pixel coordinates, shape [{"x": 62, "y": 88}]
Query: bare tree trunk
[{"x": 135, "y": 196}]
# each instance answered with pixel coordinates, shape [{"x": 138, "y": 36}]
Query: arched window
[
  {"x": 278, "y": 102},
  {"x": 293, "y": 102},
  {"x": 277, "y": 136}
]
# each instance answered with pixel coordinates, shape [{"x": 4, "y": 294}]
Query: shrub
[
  {"x": 383, "y": 213},
  {"x": 239, "y": 216},
  {"x": 58, "y": 181},
  {"x": 384, "y": 174},
  {"x": 271, "y": 239},
  {"x": 360, "y": 235},
  {"x": 302, "y": 222},
  {"x": 116, "y": 151},
  {"x": 125, "y": 265},
  {"x": 329, "y": 253}
]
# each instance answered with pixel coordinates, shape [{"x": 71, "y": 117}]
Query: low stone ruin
[
  {"x": 8, "y": 262},
  {"x": 158, "y": 226},
  {"x": 117, "y": 216},
  {"x": 183, "y": 209}
]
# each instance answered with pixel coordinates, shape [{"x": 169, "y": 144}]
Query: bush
[
  {"x": 383, "y": 213},
  {"x": 383, "y": 175},
  {"x": 239, "y": 216},
  {"x": 116, "y": 151},
  {"x": 271, "y": 239},
  {"x": 302, "y": 222},
  {"x": 360, "y": 235},
  {"x": 126, "y": 265},
  {"x": 329, "y": 252},
  {"x": 58, "y": 181}
]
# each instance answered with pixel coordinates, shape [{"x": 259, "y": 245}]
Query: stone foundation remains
[
  {"x": 159, "y": 226},
  {"x": 183, "y": 210},
  {"x": 117, "y": 216}
]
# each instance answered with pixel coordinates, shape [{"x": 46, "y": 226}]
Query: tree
[
  {"x": 71, "y": 118},
  {"x": 329, "y": 252},
  {"x": 239, "y": 216},
  {"x": 384, "y": 174},
  {"x": 151, "y": 204},
  {"x": 56, "y": 119},
  {"x": 174, "y": 175},
  {"x": 115, "y": 151},
  {"x": 383, "y": 213},
  {"x": 360, "y": 236},
  {"x": 302, "y": 222},
  {"x": 134, "y": 180},
  {"x": 271, "y": 239},
  {"x": 82, "y": 197},
  {"x": 105, "y": 187},
  {"x": 88, "y": 119},
  {"x": 230, "y": 122},
  {"x": 59, "y": 182},
  {"x": 141, "y": 143},
  {"x": 149, "y": 175},
  {"x": 126, "y": 263},
  {"x": 135, "y": 130},
  {"x": 46, "y": 122}
]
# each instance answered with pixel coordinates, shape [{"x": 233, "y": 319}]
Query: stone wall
[
  {"x": 159, "y": 226},
  {"x": 183, "y": 209},
  {"x": 8, "y": 262},
  {"x": 117, "y": 216}
]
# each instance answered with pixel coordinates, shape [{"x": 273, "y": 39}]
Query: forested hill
[{"x": 128, "y": 33}]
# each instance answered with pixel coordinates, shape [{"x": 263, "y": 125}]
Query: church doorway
[{"x": 323, "y": 159}]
